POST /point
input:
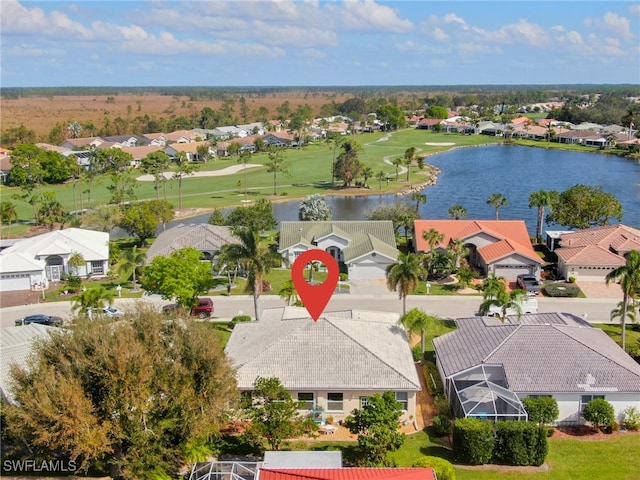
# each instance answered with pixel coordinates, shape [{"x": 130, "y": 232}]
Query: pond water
[{"x": 469, "y": 175}]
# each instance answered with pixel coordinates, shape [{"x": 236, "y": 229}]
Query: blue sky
[{"x": 318, "y": 43}]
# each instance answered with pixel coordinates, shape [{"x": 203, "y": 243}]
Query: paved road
[{"x": 450, "y": 306}]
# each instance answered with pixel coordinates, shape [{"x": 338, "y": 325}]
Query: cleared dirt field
[{"x": 41, "y": 113}]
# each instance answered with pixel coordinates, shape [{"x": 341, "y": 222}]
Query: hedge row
[
  {"x": 476, "y": 442},
  {"x": 562, "y": 290},
  {"x": 541, "y": 410},
  {"x": 431, "y": 371}
]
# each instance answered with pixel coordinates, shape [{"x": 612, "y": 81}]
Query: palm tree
[
  {"x": 458, "y": 250},
  {"x": 367, "y": 173},
  {"x": 404, "y": 275},
  {"x": 457, "y": 211},
  {"x": 493, "y": 285},
  {"x": 132, "y": 259},
  {"x": 289, "y": 293},
  {"x": 184, "y": 168},
  {"x": 244, "y": 159},
  {"x": 621, "y": 311},
  {"x": 92, "y": 298},
  {"x": 505, "y": 301},
  {"x": 275, "y": 165},
  {"x": 497, "y": 200},
  {"x": 419, "y": 198},
  {"x": 433, "y": 238},
  {"x": 254, "y": 257},
  {"x": 465, "y": 276},
  {"x": 541, "y": 199},
  {"x": 417, "y": 321},
  {"x": 380, "y": 176},
  {"x": 397, "y": 161},
  {"x": 628, "y": 275},
  {"x": 8, "y": 214},
  {"x": 409, "y": 155},
  {"x": 76, "y": 260}
]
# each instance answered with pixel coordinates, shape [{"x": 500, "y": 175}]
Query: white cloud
[
  {"x": 367, "y": 15},
  {"x": 440, "y": 35},
  {"x": 293, "y": 35},
  {"x": 613, "y": 24},
  {"x": 453, "y": 18},
  {"x": 634, "y": 9},
  {"x": 18, "y": 19}
]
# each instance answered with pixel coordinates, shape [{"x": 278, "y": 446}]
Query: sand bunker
[
  {"x": 440, "y": 144},
  {"x": 215, "y": 173}
]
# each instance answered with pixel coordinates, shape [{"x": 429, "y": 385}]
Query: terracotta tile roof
[
  {"x": 604, "y": 236},
  {"x": 347, "y": 474},
  {"x": 141, "y": 152},
  {"x": 430, "y": 121},
  {"x": 515, "y": 231},
  {"x": 504, "y": 248},
  {"x": 191, "y": 147},
  {"x": 590, "y": 255},
  {"x": 520, "y": 120}
]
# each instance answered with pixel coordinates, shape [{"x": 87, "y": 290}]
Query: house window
[
  {"x": 305, "y": 399},
  {"x": 97, "y": 268},
  {"x": 403, "y": 398},
  {"x": 335, "y": 402},
  {"x": 364, "y": 401},
  {"x": 584, "y": 399}
]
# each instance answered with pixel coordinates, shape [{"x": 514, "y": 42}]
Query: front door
[{"x": 54, "y": 273}]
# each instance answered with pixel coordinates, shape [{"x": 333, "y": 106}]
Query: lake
[{"x": 469, "y": 175}]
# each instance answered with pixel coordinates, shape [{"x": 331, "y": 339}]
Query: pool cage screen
[{"x": 482, "y": 392}]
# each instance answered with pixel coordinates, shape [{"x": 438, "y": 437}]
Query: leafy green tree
[
  {"x": 417, "y": 321},
  {"x": 254, "y": 257},
  {"x": 541, "y": 199},
  {"x": 437, "y": 111},
  {"x": 156, "y": 163},
  {"x": 257, "y": 217},
  {"x": 377, "y": 425},
  {"x": 142, "y": 397},
  {"x": 217, "y": 218},
  {"x": 117, "y": 162},
  {"x": 314, "y": 209},
  {"x": 347, "y": 166},
  {"x": 497, "y": 200},
  {"x": 401, "y": 215},
  {"x": 629, "y": 277},
  {"x": 184, "y": 168},
  {"x": 276, "y": 165},
  {"x": 182, "y": 276},
  {"x": 457, "y": 211},
  {"x": 273, "y": 413},
  {"x": 599, "y": 413},
  {"x": 163, "y": 211},
  {"x": 391, "y": 116},
  {"x": 139, "y": 220},
  {"x": 94, "y": 298},
  {"x": 584, "y": 206},
  {"x": 8, "y": 214},
  {"x": 132, "y": 258},
  {"x": 404, "y": 275},
  {"x": 51, "y": 210},
  {"x": 409, "y": 157},
  {"x": 56, "y": 168}
]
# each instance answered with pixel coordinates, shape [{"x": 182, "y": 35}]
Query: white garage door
[
  {"x": 13, "y": 282},
  {"x": 366, "y": 272},
  {"x": 511, "y": 272}
]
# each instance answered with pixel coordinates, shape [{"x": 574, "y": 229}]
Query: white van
[{"x": 529, "y": 305}]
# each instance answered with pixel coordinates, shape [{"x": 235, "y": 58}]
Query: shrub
[
  {"x": 520, "y": 443},
  {"x": 444, "y": 470},
  {"x": 416, "y": 351},
  {"x": 631, "y": 420},
  {"x": 541, "y": 410},
  {"x": 599, "y": 413},
  {"x": 431, "y": 375},
  {"x": 473, "y": 441},
  {"x": 562, "y": 290},
  {"x": 73, "y": 282},
  {"x": 572, "y": 279},
  {"x": 442, "y": 426}
]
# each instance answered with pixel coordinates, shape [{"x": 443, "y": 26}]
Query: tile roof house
[
  {"x": 488, "y": 366},
  {"x": 501, "y": 247},
  {"x": 16, "y": 347},
  {"x": 364, "y": 248},
  {"x": 590, "y": 254},
  {"x": 34, "y": 262},
  {"x": 334, "y": 363},
  {"x": 201, "y": 236},
  {"x": 191, "y": 149}
]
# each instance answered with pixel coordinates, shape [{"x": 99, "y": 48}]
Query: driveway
[
  {"x": 368, "y": 287},
  {"x": 601, "y": 290}
]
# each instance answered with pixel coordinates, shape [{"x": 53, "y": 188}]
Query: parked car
[
  {"x": 112, "y": 312},
  {"x": 203, "y": 309},
  {"x": 41, "y": 319},
  {"x": 529, "y": 283},
  {"x": 529, "y": 305}
]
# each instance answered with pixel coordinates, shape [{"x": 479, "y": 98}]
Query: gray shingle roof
[
  {"x": 542, "y": 353},
  {"x": 202, "y": 236},
  {"x": 364, "y": 236},
  {"x": 349, "y": 350}
]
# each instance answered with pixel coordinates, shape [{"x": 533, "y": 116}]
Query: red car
[{"x": 204, "y": 308}]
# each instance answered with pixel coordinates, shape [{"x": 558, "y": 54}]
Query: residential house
[
  {"x": 428, "y": 123},
  {"x": 209, "y": 239},
  {"x": 16, "y": 348},
  {"x": 181, "y": 136},
  {"x": 32, "y": 263},
  {"x": 333, "y": 364},
  {"x": 127, "y": 140},
  {"x": 5, "y": 164},
  {"x": 191, "y": 150},
  {"x": 589, "y": 255},
  {"x": 488, "y": 366},
  {"x": 363, "y": 248},
  {"x": 86, "y": 142},
  {"x": 501, "y": 247},
  {"x": 138, "y": 153},
  {"x": 159, "y": 139},
  {"x": 280, "y": 139}
]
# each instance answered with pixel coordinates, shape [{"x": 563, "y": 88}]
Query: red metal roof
[{"x": 347, "y": 474}]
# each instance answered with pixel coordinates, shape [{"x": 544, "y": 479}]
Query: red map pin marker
[{"x": 315, "y": 297}]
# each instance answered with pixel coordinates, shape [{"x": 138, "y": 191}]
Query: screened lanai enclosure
[{"x": 482, "y": 392}]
